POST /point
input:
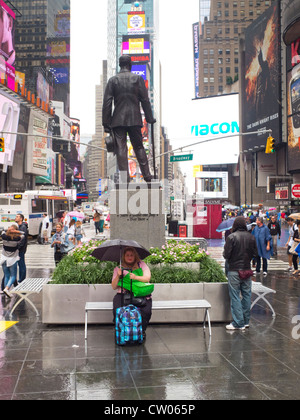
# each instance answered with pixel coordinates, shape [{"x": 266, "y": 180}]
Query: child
[{"x": 78, "y": 232}]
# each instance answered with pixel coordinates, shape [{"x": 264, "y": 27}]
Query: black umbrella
[{"x": 112, "y": 250}]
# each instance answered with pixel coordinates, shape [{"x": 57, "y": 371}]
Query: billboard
[
  {"x": 262, "y": 93},
  {"x": 7, "y": 45},
  {"x": 136, "y": 44},
  {"x": 136, "y": 22},
  {"x": 293, "y": 105},
  {"x": 196, "y": 40},
  {"x": 9, "y": 120},
  {"x": 37, "y": 147},
  {"x": 212, "y": 184}
]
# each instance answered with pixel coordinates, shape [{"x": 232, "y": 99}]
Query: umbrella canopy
[
  {"x": 76, "y": 214},
  {"x": 225, "y": 225},
  {"x": 295, "y": 216},
  {"x": 230, "y": 207},
  {"x": 112, "y": 250}
]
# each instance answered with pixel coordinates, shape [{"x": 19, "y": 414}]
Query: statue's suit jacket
[{"x": 127, "y": 91}]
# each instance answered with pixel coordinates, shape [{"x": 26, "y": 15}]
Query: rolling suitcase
[{"x": 129, "y": 330}]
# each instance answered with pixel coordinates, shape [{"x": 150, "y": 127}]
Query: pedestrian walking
[
  {"x": 293, "y": 234},
  {"x": 60, "y": 243},
  {"x": 79, "y": 232},
  {"x": 263, "y": 238},
  {"x": 97, "y": 221},
  {"x": 22, "y": 246},
  {"x": 275, "y": 230},
  {"x": 10, "y": 256},
  {"x": 46, "y": 230},
  {"x": 239, "y": 250}
]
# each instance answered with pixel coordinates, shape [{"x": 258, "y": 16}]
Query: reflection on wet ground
[{"x": 177, "y": 362}]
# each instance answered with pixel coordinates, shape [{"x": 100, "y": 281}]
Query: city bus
[{"x": 32, "y": 204}]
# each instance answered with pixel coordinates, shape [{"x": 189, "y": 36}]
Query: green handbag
[{"x": 138, "y": 288}]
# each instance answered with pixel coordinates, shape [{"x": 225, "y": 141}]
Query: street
[{"x": 40, "y": 361}]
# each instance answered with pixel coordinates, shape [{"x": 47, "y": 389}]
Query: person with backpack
[
  {"x": 23, "y": 227},
  {"x": 131, "y": 262}
]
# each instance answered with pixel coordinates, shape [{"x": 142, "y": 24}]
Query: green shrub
[{"x": 79, "y": 267}]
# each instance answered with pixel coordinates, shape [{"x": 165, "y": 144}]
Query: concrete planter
[{"x": 64, "y": 304}]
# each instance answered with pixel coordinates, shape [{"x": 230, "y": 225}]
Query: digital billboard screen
[
  {"x": 136, "y": 44},
  {"x": 7, "y": 44},
  {"x": 262, "y": 94}
]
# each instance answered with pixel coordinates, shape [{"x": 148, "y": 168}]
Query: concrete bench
[
  {"x": 157, "y": 305},
  {"x": 27, "y": 288},
  {"x": 261, "y": 291}
]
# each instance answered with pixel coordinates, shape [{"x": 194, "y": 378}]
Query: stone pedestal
[{"x": 137, "y": 213}]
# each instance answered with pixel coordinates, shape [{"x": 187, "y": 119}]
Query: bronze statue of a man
[{"x": 127, "y": 91}]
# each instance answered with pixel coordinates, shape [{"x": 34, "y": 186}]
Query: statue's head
[{"x": 125, "y": 62}]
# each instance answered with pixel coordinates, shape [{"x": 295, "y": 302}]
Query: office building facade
[{"x": 221, "y": 24}]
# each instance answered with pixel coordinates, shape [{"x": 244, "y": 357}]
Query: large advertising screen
[
  {"x": 262, "y": 95},
  {"x": 136, "y": 44},
  {"x": 212, "y": 184},
  {"x": 9, "y": 120},
  {"x": 7, "y": 44},
  {"x": 293, "y": 105}
]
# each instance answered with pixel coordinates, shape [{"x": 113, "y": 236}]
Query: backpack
[{"x": 128, "y": 326}]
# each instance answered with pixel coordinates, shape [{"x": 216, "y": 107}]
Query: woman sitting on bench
[{"x": 131, "y": 262}]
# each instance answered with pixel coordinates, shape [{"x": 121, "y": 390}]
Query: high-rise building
[
  {"x": 221, "y": 23},
  {"x": 121, "y": 35},
  {"x": 96, "y": 159},
  {"x": 42, "y": 42}
]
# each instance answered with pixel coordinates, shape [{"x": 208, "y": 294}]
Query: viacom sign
[{"x": 216, "y": 129}]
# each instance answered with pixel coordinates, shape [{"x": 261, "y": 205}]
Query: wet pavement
[{"x": 177, "y": 362}]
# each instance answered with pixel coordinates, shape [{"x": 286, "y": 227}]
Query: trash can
[
  {"x": 173, "y": 227},
  {"x": 182, "y": 230}
]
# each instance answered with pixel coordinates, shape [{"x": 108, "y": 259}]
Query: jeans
[
  {"x": 10, "y": 274},
  {"x": 22, "y": 267},
  {"x": 240, "y": 309}
]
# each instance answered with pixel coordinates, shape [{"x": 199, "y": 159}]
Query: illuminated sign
[
  {"x": 140, "y": 70},
  {"x": 215, "y": 129},
  {"x": 136, "y": 22},
  {"x": 141, "y": 58}
]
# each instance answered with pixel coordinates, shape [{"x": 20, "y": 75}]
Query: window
[{"x": 39, "y": 206}]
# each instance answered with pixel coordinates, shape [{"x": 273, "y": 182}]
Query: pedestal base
[{"x": 137, "y": 214}]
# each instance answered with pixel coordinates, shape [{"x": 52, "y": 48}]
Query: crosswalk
[{"x": 273, "y": 264}]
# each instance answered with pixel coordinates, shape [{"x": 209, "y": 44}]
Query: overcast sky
[{"x": 89, "y": 48}]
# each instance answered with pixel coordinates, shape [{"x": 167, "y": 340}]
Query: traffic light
[
  {"x": 2, "y": 145},
  {"x": 270, "y": 145}
]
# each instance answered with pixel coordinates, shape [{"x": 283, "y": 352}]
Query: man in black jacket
[
  {"x": 127, "y": 91},
  {"x": 23, "y": 227},
  {"x": 275, "y": 230},
  {"x": 240, "y": 249}
]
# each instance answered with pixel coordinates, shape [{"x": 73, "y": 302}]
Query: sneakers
[
  {"x": 231, "y": 327},
  {"x": 6, "y": 292},
  {"x": 265, "y": 273}
]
